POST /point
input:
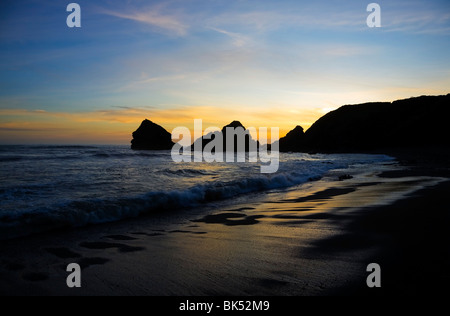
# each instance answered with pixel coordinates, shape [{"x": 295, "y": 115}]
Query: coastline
[{"x": 315, "y": 239}]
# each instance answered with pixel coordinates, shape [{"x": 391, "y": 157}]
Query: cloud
[
  {"x": 416, "y": 18},
  {"x": 31, "y": 129},
  {"x": 136, "y": 84},
  {"x": 153, "y": 17},
  {"x": 239, "y": 40},
  {"x": 267, "y": 21}
]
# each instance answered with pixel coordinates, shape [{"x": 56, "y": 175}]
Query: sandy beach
[{"x": 314, "y": 239}]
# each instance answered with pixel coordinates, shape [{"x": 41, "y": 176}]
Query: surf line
[{"x": 233, "y": 142}]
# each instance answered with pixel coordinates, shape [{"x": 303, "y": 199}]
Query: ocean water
[{"x": 48, "y": 187}]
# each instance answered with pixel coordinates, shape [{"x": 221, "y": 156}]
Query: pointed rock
[
  {"x": 249, "y": 141},
  {"x": 293, "y": 140},
  {"x": 151, "y": 136},
  {"x": 234, "y": 124}
]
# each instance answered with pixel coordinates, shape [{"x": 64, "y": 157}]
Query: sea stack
[
  {"x": 234, "y": 129},
  {"x": 293, "y": 140},
  {"x": 151, "y": 136},
  {"x": 249, "y": 141}
]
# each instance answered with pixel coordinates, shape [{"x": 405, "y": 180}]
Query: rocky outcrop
[
  {"x": 234, "y": 129},
  {"x": 151, "y": 136},
  {"x": 292, "y": 141},
  {"x": 415, "y": 122}
]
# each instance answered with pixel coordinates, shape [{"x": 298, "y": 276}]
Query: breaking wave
[{"x": 81, "y": 213}]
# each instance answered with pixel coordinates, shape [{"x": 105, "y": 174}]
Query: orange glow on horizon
[{"x": 116, "y": 126}]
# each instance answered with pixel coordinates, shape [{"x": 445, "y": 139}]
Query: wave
[
  {"x": 82, "y": 213},
  {"x": 40, "y": 158},
  {"x": 111, "y": 154},
  {"x": 62, "y": 147},
  {"x": 187, "y": 172},
  {"x": 87, "y": 152}
]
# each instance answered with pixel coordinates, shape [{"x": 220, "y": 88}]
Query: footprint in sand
[
  {"x": 187, "y": 232},
  {"x": 120, "y": 237},
  {"x": 100, "y": 245},
  {"x": 66, "y": 253},
  {"x": 230, "y": 219},
  {"x": 63, "y": 253},
  {"x": 87, "y": 262},
  {"x": 157, "y": 233},
  {"x": 243, "y": 209}
]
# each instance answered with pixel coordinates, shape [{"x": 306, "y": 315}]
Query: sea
[{"x": 46, "y": 187}]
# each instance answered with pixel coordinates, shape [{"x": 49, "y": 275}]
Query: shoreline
[{"x": 316, "y": 239}]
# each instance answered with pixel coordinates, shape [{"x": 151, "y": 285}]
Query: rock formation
[
  {"x": 151, "y": 136},
  {"x": 415, "y": 122},
  {"x": 292, "y": 141},
  {"x": 235, "y": 129}
]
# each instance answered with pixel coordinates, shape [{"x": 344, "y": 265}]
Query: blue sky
[{"x": 266, "y": 63}]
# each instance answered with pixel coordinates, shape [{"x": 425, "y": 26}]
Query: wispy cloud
[
  {"x": 238, "y": 40},
  {"x": 153, "y": 17},
  {"x": 33, "y": 129},
  {"x": 146, "y": 81},
  {"x": 407, "y": 16},
  {"x": 416, "y": 18},
  {"x": 266, "y": 21},
  {"x": 424, "y": 24}
]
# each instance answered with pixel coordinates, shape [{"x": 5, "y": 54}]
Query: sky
[{"x": 265, "y": 63}]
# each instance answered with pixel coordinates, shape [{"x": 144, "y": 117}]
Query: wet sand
[{"x": 314, "y": 239}]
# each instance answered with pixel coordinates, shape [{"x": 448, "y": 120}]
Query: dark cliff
[{"x": 415, "y": 122}]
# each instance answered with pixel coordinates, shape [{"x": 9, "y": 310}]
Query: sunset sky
[{"x": 266, "y": 63}]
